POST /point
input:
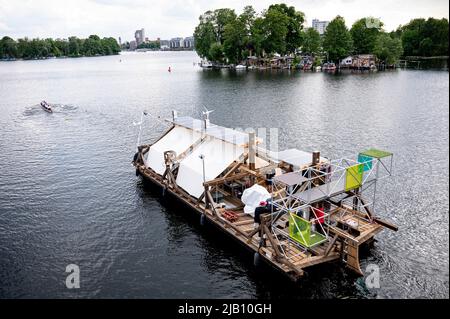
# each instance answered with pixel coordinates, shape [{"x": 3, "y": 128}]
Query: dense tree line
[
  {"x": 222, "y": 36},
  {"x": 422, "y": 37},
  {"x": 45, "y": 48},
  {"x": 153, "y": 45}
]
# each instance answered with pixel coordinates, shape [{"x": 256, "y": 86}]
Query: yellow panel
[{"x": 354, "y": 176}]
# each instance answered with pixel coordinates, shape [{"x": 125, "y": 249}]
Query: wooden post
[
  {"x": 315, "y": 158},
  {"x": 252, "y": 150}
]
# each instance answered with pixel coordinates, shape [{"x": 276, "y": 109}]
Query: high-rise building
[
  {"x": 176, "y": 43},
  {"x": 189, "y": 42},
  {"x": 320, "y": 26},
  {"x": 139, "y": 35}
]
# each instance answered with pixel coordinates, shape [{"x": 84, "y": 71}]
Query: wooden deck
[{"x": 282, "y": 253}]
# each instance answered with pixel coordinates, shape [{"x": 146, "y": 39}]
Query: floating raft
[{"x": 314, "y": 209}]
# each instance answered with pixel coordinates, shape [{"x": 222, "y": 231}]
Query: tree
[
  {"x": 257, "y": 36},
  {"x": 337, "y": 40},
  {"x": 247, "y": 18},
  {"x": 435, "y": 37},
  {"x": 8, "y": 48},
  {"x": 74, "y": 46},
  {"x": 110, "y": 46},
  {"x": 422, "y": 37},
  {"x": 274, "y": 31},
  {"x": 312, "y": 42},
  {"x": 153, "y": 45},
  {"x": 234, "y": 43},
  {"x": 216, "y": 52},
  {"x": 92, "y": 46},
  {"x": 44, "y": 48},
  {"x": 388, "y": 49},
  {"x": 295, "y": 20},
  {"x": 364, "y": 34},
  {"x": 204, "y": 35},
  {"x": 221, "y": 18},
  {"x": 411, "y": 37}
]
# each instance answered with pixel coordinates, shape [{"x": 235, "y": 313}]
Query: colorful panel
[
  {"x": 373, "y": 152},
  {"x": 367, "y": 161},
  {"x": 354, "y": 176},
  {"x": 299, "y": 229}
]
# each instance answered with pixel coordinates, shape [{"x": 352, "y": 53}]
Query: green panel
[
  {"x": 300, "y": 231},
  {"x": 367, "y": 160},
  {"x": 373, "y": 152},
  {"x": 354, "y": 176}
]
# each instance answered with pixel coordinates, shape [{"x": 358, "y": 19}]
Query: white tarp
[
  {"x": 295, "y": 157},
  {"x": 178, "y": 139},
  {"x": 252, "y": 197},
  {"x": 218, "y": 155}
]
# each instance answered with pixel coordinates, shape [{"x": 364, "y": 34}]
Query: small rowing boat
[{"x": 46, "y": 107}]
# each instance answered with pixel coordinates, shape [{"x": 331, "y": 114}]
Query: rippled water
[{"x": 68, "y": 193}]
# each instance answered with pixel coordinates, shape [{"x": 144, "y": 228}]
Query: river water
[{"x": 69, "y": 195}]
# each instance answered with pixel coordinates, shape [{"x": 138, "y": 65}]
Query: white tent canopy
[
  {"x": 178, "y": 139},
  {"x": 295, "y": 157},
  {"x": 218, "y": 155}
]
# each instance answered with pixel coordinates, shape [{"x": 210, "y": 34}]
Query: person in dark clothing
[{"x": 265, "y": 207}]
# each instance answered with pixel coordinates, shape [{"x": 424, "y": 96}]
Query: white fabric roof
[
  {"x": 216, "y": 131},
  {"x": 293, "y": 157},
  {"x": 178, "y": 139},
  {"x": 218, "y": 155}
]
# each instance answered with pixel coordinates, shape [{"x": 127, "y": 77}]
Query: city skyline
[{"x": 120, "y": 18}]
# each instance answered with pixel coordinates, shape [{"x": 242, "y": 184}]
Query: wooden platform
[{"x": 281, "y": 253}]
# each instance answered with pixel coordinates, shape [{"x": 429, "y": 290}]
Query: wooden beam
[
  {"x": 222, "y": 180},
  {"x": 342, "y": 233},
  {"x": 385, "y": 224},
  {"x": 244, "y": 222},
  {"x": 244, "y": 168},
  {"x": 190, "y": 149},
  {"x": 232, "y": 169},
  {"x": 330, "y": 246},
  {"x": 314, "y": 260},
  {"x": 272, "y": 241}
]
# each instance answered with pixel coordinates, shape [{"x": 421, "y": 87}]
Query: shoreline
[{"x": 57, "y": 58}]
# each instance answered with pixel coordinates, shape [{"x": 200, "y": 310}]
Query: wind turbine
[
  {"x": 140, "y": 128},
  {"x": 205, "y": 114}
]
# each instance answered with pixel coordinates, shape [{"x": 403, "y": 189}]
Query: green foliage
[
  {"x": 45, "y": 48},
  {"x": 8, "y": 48},
  {"x": 312, "y": 43},
  {"x": 277, "y": 30},
  {"x": 216, "y": 52},
  {"x": 205, "y": 35},
  {"x": 235, "y": 40},
  {"x": 222, "y": 17},
  {"x": 364, "y": 33},
  {"x": 422, "y": 37},
  {"x": 337, "y": 41},
  {"x": 274, "y": 29},
  {"x": 388, "y": 49},
  {"x": 153, "y": 45},
  {"x": 295, "y": 20}
]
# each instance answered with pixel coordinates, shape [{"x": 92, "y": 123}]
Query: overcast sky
[{"x": 166, "y": 19}]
